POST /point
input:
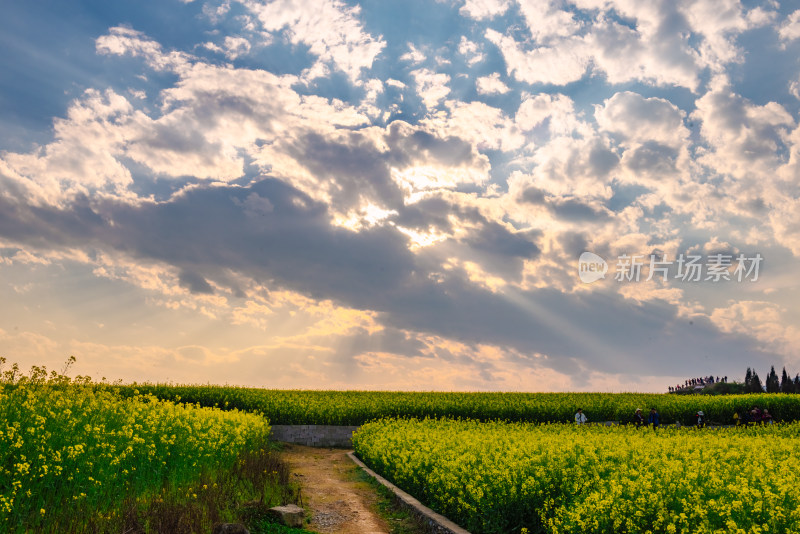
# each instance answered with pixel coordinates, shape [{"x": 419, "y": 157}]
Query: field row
[
  {"x": 508, "y": 477},
  {"x": 76, "y": 458},
  {"x": 358, "y": 407}
]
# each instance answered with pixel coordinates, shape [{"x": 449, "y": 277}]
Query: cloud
[
  {"x": 661, "y": 43},
  {"x": 744, "y": 138},
  {"x": 431, "y": 86},
  {"x": 483, "y": 9},
  {"x": 558, "y": 65},
  {"x": 657, "y": 51},
  {"x": 413, "y": 56},
  {"x": 556, "y": 110},
  {"x": 81, "y": 159},
  {"x": 719, "y": 23},
  {"x": 483, "y": 126},
  {"x": 492, "y": 84},
  {"x": 579, "y": 167},
  {"x": 471, "y": 51},
  {"x": 122, "y": 40},
  {"x": 546, "y": 21},
  {"x": 371, "y": 270},
  {"x": 637, "y": 119},
  {"x": 356, "y": 231},
  {"x": 232, "y": 47},
  {"x": 790, "y": 28},
  {"x": 762, "y": 320},
  {"x": 331, "y": 29}
]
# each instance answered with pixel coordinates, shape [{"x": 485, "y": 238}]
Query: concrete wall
[{"x": 315, "y": 435}]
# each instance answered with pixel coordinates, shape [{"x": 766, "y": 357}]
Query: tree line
[{"x": 772, "y": 384}]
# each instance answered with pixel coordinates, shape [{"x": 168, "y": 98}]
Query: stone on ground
[{"x": 290, "y": 515}]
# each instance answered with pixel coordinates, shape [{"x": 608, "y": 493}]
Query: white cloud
[
  {"x": 720, "y": 22},
  {"x": 471, "y": 51},
  {"x": 484, "y": 9},
  {"x": 744, "y": 138},
  {"x": 431, "y": 86},
  {"x": 546, "y": 21},
  {"x": 235, "y": 47},
  {"x": 330, "y": 28},
  {"x": 564, "y": 62},
  {"x": 208, "y": 121},
  {"x": 762, "y": 320},
  {"x": 484, "y": 126},
  {"x": 794, "y": 88},
  {"x": 790, "y": 28},
  {"x": 637, "y": 119},
  {"x": 82, "y": 158},
  {"x": 571, "y": 167},
  {"x": 648, "y": 53},
  {"x": 413, "y": 56},
  {"x": 557, "y": 108},
  {"x": 663, "y": 43},
  {"x": 122, "y": 41},
  {"x": 491, "y": 85}
]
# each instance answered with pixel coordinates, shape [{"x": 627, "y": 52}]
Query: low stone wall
[{"x": 315, "y": 435}]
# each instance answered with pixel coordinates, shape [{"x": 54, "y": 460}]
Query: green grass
[
  {"x": 270, "y": 527},
  {"x": 399, "y": 518}
]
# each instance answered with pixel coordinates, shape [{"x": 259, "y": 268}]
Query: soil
[{"x": 337, "y": 502}]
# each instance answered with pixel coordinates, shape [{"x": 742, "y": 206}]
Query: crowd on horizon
[{"x": 695, "y": 382}]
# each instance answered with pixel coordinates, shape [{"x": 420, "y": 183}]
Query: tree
[
  {"x": 787, "y": 385},
  {"x": 748, "y": 376},
  {"x": 773, "y": 385},
  {"x": 755, "y": 384},
  {"x": 797, "y": 383}
]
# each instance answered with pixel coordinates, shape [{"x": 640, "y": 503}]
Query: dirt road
[{"x": 338, "y": 503}]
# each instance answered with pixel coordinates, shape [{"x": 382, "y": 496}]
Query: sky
[{"x": 500, "y": 195}]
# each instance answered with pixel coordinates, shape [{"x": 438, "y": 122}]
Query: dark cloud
[
  {"x": 565, "y": 208},
  {"x": 408, "y": 144},
  {"x": 652, "y": 158},
  {"x": 206, "y": 232},
  {"x": 429, "y": 213},
  {"x": 496, "y": 239},
  {"x": 351, "y": 165},
  {"x": 195, "y": 283}
]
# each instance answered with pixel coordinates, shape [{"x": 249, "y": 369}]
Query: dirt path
[{"x": 338, "y": 503}]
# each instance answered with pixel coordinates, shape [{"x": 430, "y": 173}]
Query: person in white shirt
[{"x": 580, "y": 417}]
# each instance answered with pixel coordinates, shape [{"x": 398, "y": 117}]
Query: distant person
[
  {"x": 736, "y": 419},
  {"x": 638, "y": 418},
  {"x": 700, "y": 419},
  {"x": 654, "y": 418},
  {"x": 580, "y": 417},
  {"x": 755, "y": 415},
  {"x": 766, "y": 417}
]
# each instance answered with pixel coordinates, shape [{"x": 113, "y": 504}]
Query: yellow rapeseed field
[
  {"x": 494, "y": 477},
  {"x": 306, "y": 407},
  {"x": 72, "y": 453}
]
